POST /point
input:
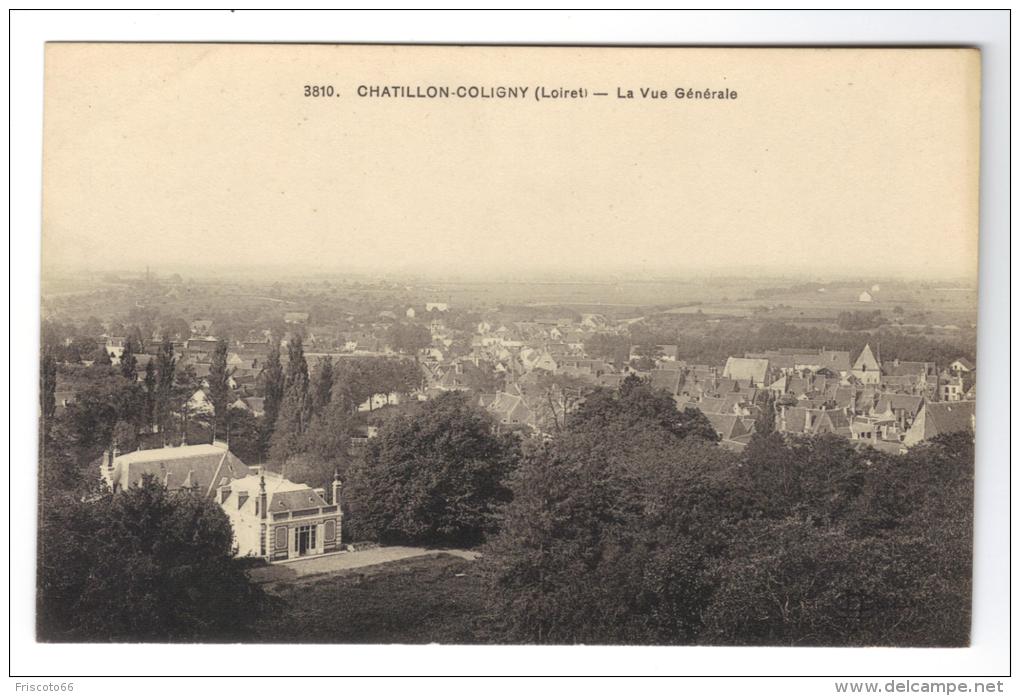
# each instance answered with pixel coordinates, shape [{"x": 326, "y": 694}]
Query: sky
[{"x": 829, "y": 161}]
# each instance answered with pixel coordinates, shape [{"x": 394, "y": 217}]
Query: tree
[
  {"x": 557, "y": 397},
  {"x": 100, "y": 356},
  {"x": 219, "y": 387},
  {"x": 609, "y": 347},
  {"x": 128, "y": 361},
  {"x": 176, "y": 327},
  {"x": 186, "y": 383},
  {"x": 149, "y": 384},
  {"x": 765, "y": 423},
  {"x": 791, "y": 582},
  {"x": 295, "y": 410},
  {"x": 273, "y": 383},
  {"x": 646, "y": 355},
  {"x": 244, "y": 436},
  {"x": 125, "y": 437},
  {"x": 635, "y": 402},
  {"x": 435, "y": 477},
  {"x": 93, "y": 328},
  {"x": 142, "y": 565},
  {"x": 611, "y": 527},
  {"x": 408, "y": 338},
  {"x": 166, "y": 366},
  {"x": 47, "y": 387},
  {"x": 322, "y": 392},
  {"x": 355, "y": 381},
  {"x": 103, "y": 397}
]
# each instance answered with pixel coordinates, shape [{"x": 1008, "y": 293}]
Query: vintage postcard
[{"x": 390, "y": 344}]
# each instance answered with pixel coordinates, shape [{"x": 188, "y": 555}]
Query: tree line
[{"x": 714, "y": 345}]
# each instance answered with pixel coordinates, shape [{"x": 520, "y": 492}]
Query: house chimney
[
  {"x": 107, "y": 470},
  {"x": 262, "y": 496},
  {"x": 336, "y": 487}
]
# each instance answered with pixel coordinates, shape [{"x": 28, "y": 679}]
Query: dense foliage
[
  {"x": 145, "y": 565},
  {"x": 433, "y": 477},
  {"x": 633, "y": 528}
]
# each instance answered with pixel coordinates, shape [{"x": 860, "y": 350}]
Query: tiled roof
[
  {"x": 289, "y": 501},
  {"x": 728, "y": 426},
  {"x": 905, "y": 369},
  {"x": 947, "y": 417},
  {"x": 207, "y": 465},
  {"x": 899, "y": 402},
  {"x": 746, "y": 368},
  {"x": 666, "y": 379}
]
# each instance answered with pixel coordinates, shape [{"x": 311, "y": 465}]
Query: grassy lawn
[{"x": 437, "y": 599}]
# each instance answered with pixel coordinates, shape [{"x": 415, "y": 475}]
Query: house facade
[
  {"x": 271, "y": 517},
  {"x": 276, "y": 519}
]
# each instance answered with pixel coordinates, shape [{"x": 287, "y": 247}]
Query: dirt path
[{"x": 290, "y": 571}]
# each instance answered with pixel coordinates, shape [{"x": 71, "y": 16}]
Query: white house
[
  {"x": 864, "y": 297},
  {"x": 277, "y": 519},
  {"x": 271, "y": 517},
  {"x": 961, "y": 365},
  {"x": 379, "y": 400},
  {"x": 200, "y": 403}
]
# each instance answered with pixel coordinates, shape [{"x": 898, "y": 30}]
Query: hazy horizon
[{"x": 292, "y": 271}]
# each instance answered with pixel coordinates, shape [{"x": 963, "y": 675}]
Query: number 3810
[{"x": 319, "y": 91}]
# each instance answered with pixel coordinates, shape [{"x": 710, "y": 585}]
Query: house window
[{"x": 304, "y": 539}]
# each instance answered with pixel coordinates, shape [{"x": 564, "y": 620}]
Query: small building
[
  {"x": 754, "y": 370},
  {"x": 200, "y": 349},
  {"x": 436, "y": 306},
  {"x": 510, "y": 410},
  {"x": 256, "y": 405},
  {"x": 201, "y": 327},
  {"x": 867, "y": 368},
  {"x": 961, "y": 366},
  {"x": 865, "y": 297},
  {"x": 200, "y": 403},
  {"x": 277, "y": 519},
  {"x": 295, "y": 317},
  {"x": 951, "y": 388},
  {"x": 115, "y": 347}
]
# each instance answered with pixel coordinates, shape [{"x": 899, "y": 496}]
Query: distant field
[
  {"x": 435, "y": 599},
  {"x": 770, "y": 299},
  {"x": 940, "y": 306}
]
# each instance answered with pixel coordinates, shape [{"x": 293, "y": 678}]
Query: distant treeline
[
  {"x": 763, "y": 293},
  {"x": 714, "y": 345}
]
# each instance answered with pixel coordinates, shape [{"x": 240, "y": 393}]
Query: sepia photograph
[
  {"x": 604, "y": 354},
  {"x": 368, "y": 344}
]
